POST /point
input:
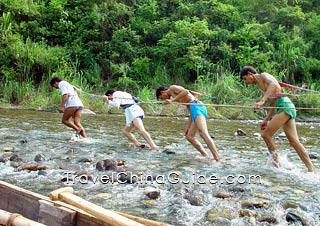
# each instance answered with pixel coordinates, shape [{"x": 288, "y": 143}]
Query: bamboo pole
[
  {"x": 7, "y": 218},
  {"x": 144, "y": 221},
  {"x": 107, "y": 216}
]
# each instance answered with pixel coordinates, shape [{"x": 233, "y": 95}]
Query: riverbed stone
[
  {"x": 247, "y": 213},
  {"x": 296, "y": 216},
  {"x": 8, "y": 149},
  {"x": 40, "y": 158},
  {"x": 109, "y": 164},
  {"x": 15, "y": 158},
  {"x": 255, "y": 203},
  {"x": 220, "y": 221},
  {"x": 152, "y": 194},
  {"x": 240, "y": 132},
  {"x": 221, "y": 212},
  {"x": 194, "y": 200},
  {"x": 4, "y": 159},
  {"x": 149, "y": 203},
  {"x": 223, "y": 195},
  {"x": 267, "y": 219},
  {"x": 32, "y": 167}
]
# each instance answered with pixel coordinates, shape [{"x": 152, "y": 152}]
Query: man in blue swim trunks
[
  {"x": 197, "y": 119},
  {"x": 281, "y": 116}
]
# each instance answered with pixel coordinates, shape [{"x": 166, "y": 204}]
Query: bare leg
[
  {"x": 127, "y": 132},
  {"x": 68, "y": 113},
  {"x": 201, "y": 124},
  {"x": 290, "y": 130},
  {"x": 137, "y": 122},
  {"x": 273, "y": 126},
  {"x": 77, "y": 119},
  {"x": 191, "y": 137}
]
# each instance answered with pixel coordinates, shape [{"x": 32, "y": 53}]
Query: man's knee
[
  {"x": 190, "y": 138},
  {"x": 266, "y": 136}
]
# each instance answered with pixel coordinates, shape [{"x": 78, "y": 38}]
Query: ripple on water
[{"x": 188, "y": 183}]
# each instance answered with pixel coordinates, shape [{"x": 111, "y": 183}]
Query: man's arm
[
  {"x": 272, "y": 85},
  {"x": 178, "y": 92},
  {"x": 63, "y": 102}
]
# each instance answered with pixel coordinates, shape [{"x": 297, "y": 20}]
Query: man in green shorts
[{"x": 281, "y": 116}]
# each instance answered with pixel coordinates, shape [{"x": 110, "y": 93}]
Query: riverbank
[{"x": 220, "y": 112}]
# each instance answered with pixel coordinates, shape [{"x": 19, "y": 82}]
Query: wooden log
[
  {"x": 141, "y": 220},
  {"x": 109, "y": 217},
  {"x": 56, "y": 215},
  {"x": 7, "y": 218}
]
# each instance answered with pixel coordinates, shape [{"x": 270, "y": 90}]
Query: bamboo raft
[{"x": 20, "y": 207}]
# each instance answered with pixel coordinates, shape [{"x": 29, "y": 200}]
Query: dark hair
[
  {"x": 159, "y": 90},
  {"x": 54, "y": 80},
  {"x": 109, "y": 91},
  {"x": 247, "y": 69}
]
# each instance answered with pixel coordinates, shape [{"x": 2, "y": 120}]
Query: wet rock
[
  {"x": 221, "y": 212},
  {"x": 220, "y": 221},
  {"x": 294, "y": 204},
  {"x": 32, "y": 167},
  {"x": 149, "y": 203},
  {"x": 15, "y": 164},
  {"x": 42, "y": 173},
  {"x": 256, "y": 203},
  {"x": 240, "y": 132},
  {"x": 168, "y": 152},
  {"x": 73, "y": 151},
  {"x": 109, "y": 164},
  {"x": 313, "y": 156},
  {"x": 296, "y": 216},
  {"x": 39, "y": 158},
  {"x": 126, "y": 178},
  {"x": 223, "y": 195},
  {"x": 152, "y": 194},
  {"x": 85, "y": 160},
  {"x": 15, "y": 158},
  {"x": 4, "y": 159},
  {"x": 236, "y": 189},
  {"x": 70, "y": 167},
  {"x": 66, "y": 179},
  {"x": 247, "y": 213},
  {"x": 194, "y": 200},
  {"x": 267, "y": 219},
  {"x": 8, "y": 149}
]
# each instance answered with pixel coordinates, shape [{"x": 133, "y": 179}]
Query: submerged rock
[
  {"x": 152, "y": 194},
  {"x": 296, "y": 215},
  {"x": 109, "y": 164},
  {"x": 221, "y": 212},
  {"x": 194, "y": 200},
  {"x": 240, "y": 132},
  {"x": 223, "y": 195},
  {"x": 8, "y": 149},
  {"x": 256, "y": 203},
  {"x": 39, "y": 158}
]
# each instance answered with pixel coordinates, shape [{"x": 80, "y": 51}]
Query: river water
[{"x": 244, "y": 189}]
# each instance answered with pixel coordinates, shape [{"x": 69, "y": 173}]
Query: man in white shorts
[
  {"x": 134, "y": 115},
  {"x": 71, "y": 105}
]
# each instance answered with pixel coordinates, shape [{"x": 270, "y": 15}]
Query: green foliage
[{"x": 130, "y": 45}]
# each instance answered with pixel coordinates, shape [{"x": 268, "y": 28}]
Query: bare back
[{"x": 181, "y": 94}]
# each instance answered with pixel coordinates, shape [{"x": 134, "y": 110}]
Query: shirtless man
[
  {"x": 197, "y": 118},
  {"x": 281, "y": 117}
]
